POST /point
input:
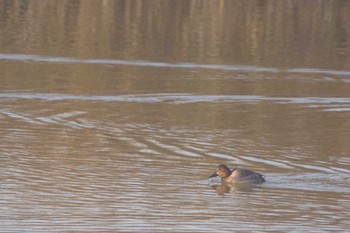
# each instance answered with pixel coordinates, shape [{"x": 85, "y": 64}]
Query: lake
[{"x": 114, "y": 113}]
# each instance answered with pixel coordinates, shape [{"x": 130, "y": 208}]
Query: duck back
[{"x": 241, "y": 175}]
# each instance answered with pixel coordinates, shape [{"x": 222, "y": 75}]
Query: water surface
[{"x": 114, "y": 113}]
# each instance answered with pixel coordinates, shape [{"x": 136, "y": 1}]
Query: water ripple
[
  {"x": 181, "y": 98},
  {"x": 39, "y": 58}
]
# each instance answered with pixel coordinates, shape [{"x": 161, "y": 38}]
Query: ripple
[
  {"x": 39, "y": 58},
  {"x": 59, "y": 119},
  {"x": 315, "y": 181},
  {"x": 108, "y": 175},
  {"x": 345, "y": 109},
  {"x": 179, "y": 98}
]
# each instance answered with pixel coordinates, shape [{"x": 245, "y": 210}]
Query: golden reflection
[{"x": 266, "y": 33}]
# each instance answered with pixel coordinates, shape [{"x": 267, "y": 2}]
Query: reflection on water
[
  {"x": 114, "y": 113},
  {"x": 222, "y": 187},
  {"x": 291, "y": 34}
]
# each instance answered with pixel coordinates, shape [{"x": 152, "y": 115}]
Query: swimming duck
[{"x": 238, "y": 175}]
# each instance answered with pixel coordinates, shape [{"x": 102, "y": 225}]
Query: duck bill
[{"x": 213, "y": 175}]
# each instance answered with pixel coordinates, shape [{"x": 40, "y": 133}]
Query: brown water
[{"x": 114, "y": 113}]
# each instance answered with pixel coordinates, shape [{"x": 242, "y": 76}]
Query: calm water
[{"x": 114, "y": 113}]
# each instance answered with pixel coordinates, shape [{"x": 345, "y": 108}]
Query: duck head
[{"x": 221, "y": 171}]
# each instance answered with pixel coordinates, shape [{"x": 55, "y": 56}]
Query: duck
[{"x": 238, "y": 175}]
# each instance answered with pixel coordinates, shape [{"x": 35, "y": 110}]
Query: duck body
[{"x": 238, "y": 175}]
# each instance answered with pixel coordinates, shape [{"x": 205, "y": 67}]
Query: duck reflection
[{"x": 224, "y": 187}]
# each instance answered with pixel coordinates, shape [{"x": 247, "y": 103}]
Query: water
[{"x": 108, "y": 124}]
